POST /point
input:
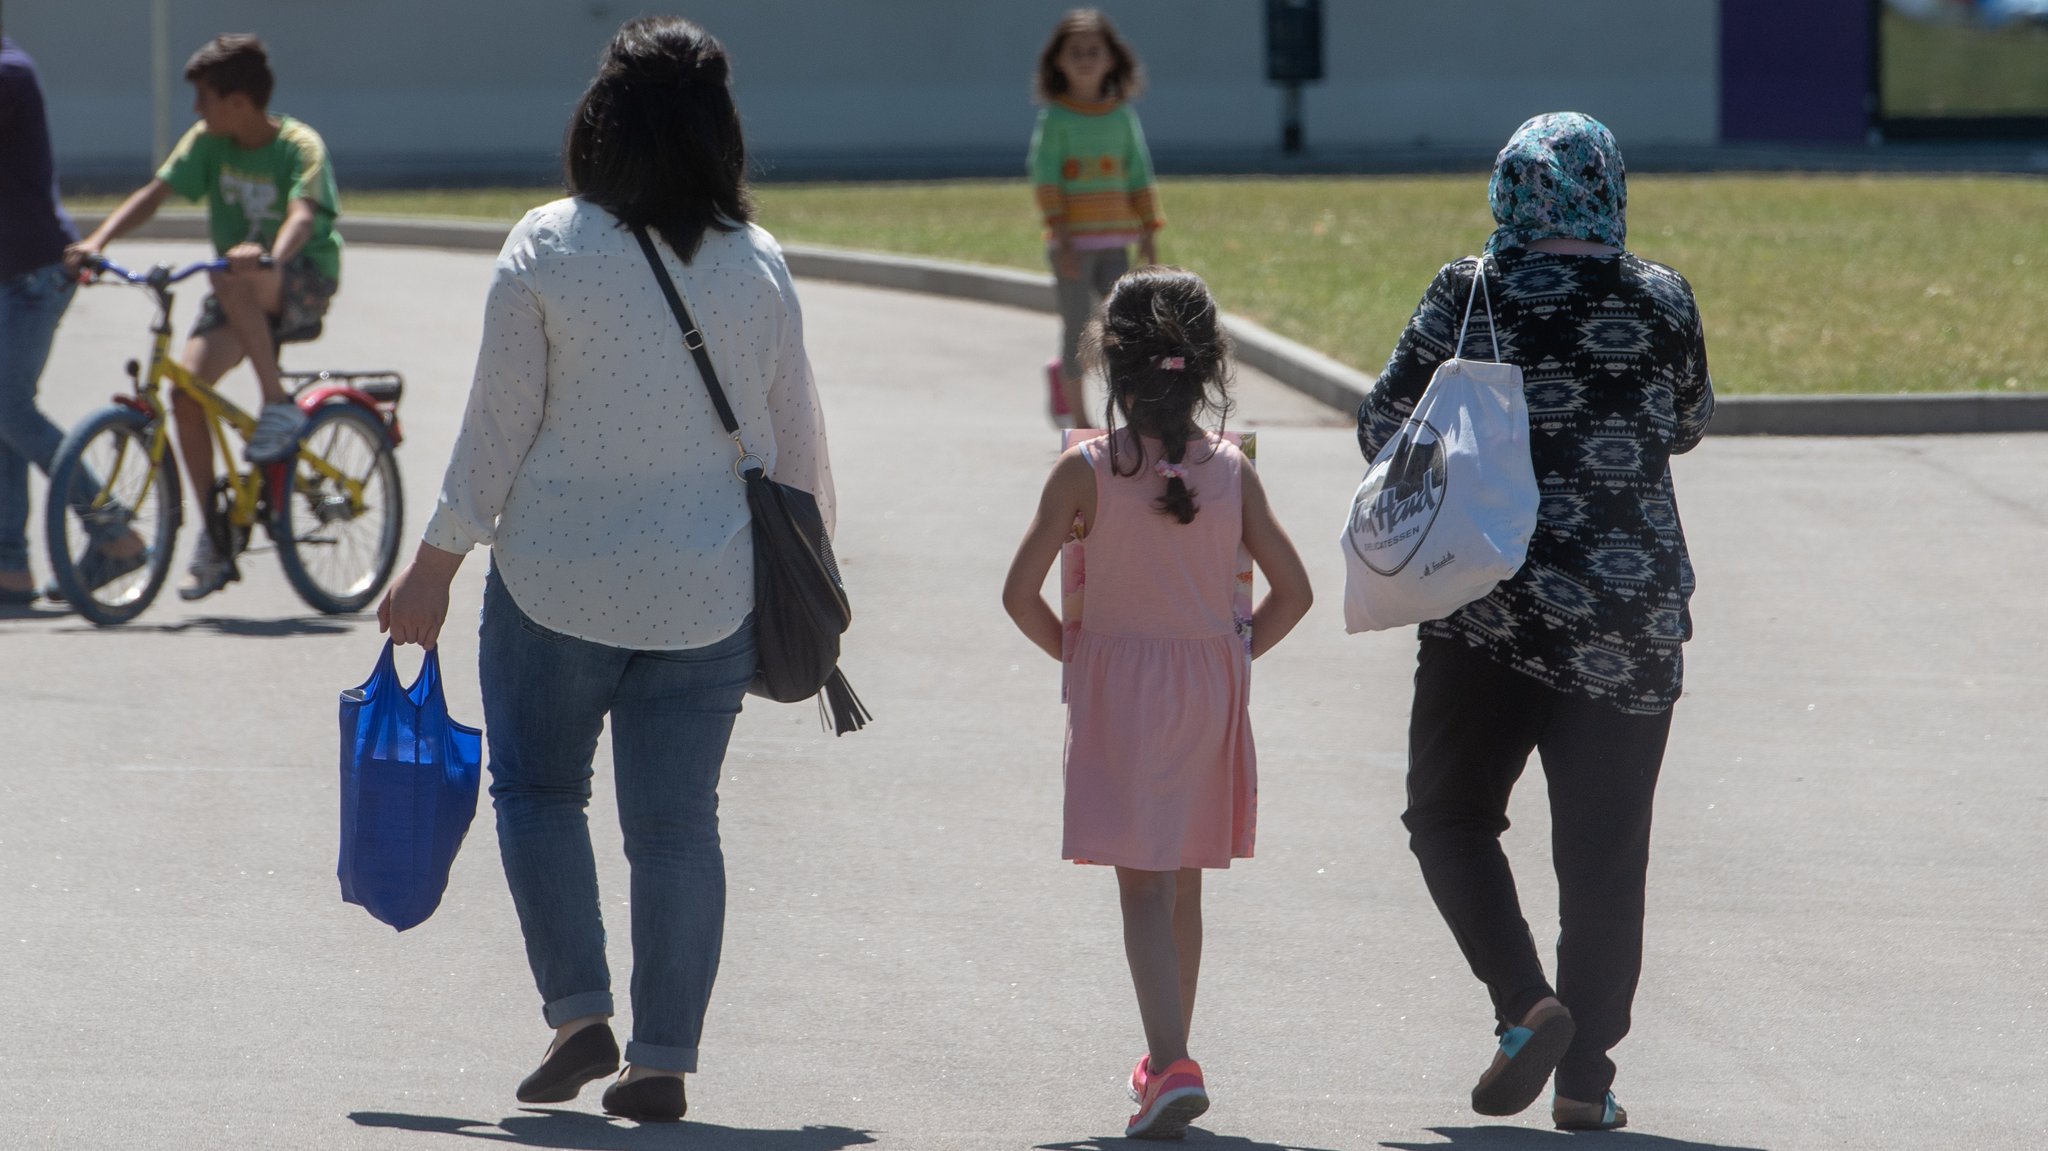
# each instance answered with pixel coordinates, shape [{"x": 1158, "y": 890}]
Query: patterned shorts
[{"x": 304, "y": 294}]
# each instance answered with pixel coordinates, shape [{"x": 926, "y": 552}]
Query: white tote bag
[{"x": 1448, "y": 506}]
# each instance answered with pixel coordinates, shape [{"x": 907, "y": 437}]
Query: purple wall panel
[{"x": 1795, "y": 69}]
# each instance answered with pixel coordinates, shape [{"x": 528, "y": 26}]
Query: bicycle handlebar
[{"x": 162, "y": 275}]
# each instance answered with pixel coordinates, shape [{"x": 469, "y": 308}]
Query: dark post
[{"x": 1294, "y": 54}]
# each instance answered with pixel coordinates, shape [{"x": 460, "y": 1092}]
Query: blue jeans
[
  {"x": 546, "y": 696},
  {"x": 30, "y": 306}
]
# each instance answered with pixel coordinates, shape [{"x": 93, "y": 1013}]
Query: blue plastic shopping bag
[{"x": 408, "y": 791}]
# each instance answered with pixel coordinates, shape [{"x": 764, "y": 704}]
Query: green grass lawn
[
  {"x": 1937, "y": 68},
  {"x": 1807, "y": 283}
]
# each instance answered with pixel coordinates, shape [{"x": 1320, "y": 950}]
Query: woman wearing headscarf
[{"x": 1577, "y": 656}]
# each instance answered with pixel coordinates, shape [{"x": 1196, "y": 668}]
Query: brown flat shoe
[{"x": 1528, "y": 1054}]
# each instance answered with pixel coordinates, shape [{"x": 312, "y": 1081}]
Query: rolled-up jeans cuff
[
  {"x": 656, "y": 1058},
  {"x": 577, "y": 1006}
]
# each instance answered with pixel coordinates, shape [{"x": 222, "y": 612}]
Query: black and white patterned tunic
[{"x": 1614, "y": 366}]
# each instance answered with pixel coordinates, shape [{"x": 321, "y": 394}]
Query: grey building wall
[{"x": 443, "y": 88}]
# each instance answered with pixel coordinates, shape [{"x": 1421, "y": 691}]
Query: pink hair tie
[
  {"x": 1167, "y": 471},
  {"x": 1173, "y": 363}
]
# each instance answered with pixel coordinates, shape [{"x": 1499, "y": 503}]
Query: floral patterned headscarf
[{"x": 1560, "y": 176}]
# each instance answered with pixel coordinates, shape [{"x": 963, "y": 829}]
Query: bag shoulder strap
[
  {"x": 693, "y": 339},
  {"x": 1478, "y": 290}
]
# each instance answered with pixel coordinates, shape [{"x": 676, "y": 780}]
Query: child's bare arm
[
  {"x": 299, "y": 220},
  {"x": 1066, "y": 490},
  {"x": 135, "y": 211},
  {"x": 1290, "y": 596}
]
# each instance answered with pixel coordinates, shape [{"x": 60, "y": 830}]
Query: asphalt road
[{"x": 1846, "y": 931}]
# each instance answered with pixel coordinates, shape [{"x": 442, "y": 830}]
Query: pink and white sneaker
[
  {"x": 1168, "y": 1101},
  {"x": 1139, "y": 1074}
]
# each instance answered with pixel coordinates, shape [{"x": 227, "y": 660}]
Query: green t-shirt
[{"x": 247, "y": 189}]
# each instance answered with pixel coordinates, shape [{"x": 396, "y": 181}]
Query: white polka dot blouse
[{"x": 591, "y": 461}]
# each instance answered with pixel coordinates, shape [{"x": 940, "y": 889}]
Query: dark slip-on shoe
[
  {"x": 589, "y": 1054},
  {"x": 654, "y": 1099}
]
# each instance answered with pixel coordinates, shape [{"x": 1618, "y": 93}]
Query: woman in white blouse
[{"x": 593, "y": 465}]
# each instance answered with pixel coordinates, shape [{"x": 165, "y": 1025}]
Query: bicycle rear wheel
[
  {"x": 337, "y": 546},
  {"x": 112, "y": 516}
]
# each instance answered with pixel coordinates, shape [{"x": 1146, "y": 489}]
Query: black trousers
[{"x": 1470, "y": 734}]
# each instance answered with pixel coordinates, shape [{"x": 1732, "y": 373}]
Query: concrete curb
[
  {"x": 1296, "y": 365},
  {"x": 1935, "y": 413}
]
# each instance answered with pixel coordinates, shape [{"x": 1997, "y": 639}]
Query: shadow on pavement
[
  {"x": 290, "y": 628},
  {"x": 583, "y": 1131},
  {"x": 1196, "y": 1137},
  {"x": 1529, "y": 1139}
]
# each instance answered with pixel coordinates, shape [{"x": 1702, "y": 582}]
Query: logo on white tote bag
[
  {"x": 1398, "y": 502},
  {"x": 1471, "y": 424}
]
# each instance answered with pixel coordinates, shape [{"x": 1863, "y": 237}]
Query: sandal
[
  {"x": 1528, "y": 1054},
  {"x": 1606, "y": 1115}
]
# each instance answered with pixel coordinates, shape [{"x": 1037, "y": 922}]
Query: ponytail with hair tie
[{"x": 1166, "y": 359}]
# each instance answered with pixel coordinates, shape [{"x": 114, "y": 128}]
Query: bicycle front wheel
[
  {"x": 338, "y": 520},
  {"x": 112, "y": 516}
]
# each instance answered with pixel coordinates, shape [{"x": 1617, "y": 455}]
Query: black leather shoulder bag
[{"x": 800, "y": 607}]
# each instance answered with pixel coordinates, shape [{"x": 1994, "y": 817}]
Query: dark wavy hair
[
  {"x": 233, "y": 62},
  {"x": 1164, "y": 352},
  {"x": 1126, "y": 76},
  {"x": 656, "y": 138}
]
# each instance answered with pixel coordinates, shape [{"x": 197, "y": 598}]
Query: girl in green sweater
[{"x": 1093, "y": 179}]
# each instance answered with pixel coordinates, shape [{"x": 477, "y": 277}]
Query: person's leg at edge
[
  {"x": 31, "y": 305},
  {"x": 1602, "y": 767},
  {"x": 1151, "y": 949},
  {"x": 545, "y": 696},
  {"x": 1470, "y": 733},
  {"x": 671, "y": 724},
  {"x": 15, "y": 580}
]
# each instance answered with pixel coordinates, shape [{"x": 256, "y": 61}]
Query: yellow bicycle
[{"x": 335, "y": 512}]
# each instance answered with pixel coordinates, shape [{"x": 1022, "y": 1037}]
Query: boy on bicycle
[{"x": 269, "y": 191}]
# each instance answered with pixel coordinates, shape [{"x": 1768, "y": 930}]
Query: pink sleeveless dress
[{"x": 1160, "y": 771}]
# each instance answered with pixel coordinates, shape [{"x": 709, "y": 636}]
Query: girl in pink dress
[{"x": 1160, "y": 775}]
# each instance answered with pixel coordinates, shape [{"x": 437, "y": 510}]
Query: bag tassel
[{"x": 847, "y": 711}]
